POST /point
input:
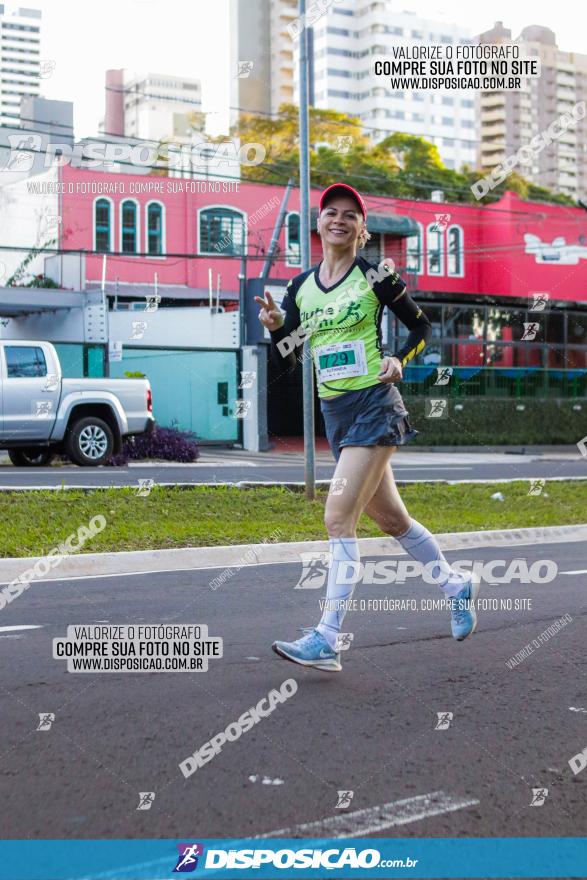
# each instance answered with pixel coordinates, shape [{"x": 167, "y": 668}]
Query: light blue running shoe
[
  {"x": 463, "y": 613},
  {"x": 311, "y": 650}
]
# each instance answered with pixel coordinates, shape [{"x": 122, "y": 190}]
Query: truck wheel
[
  {"x": 89, "y": 442},
  {"x": 30, "y": 457}
]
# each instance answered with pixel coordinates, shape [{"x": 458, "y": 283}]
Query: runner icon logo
[
  {"x": 444, "y": 719},
  {"x": 536, "y": 487},
  {"x": 530, "y": 330},
  {"x": 146, "y": 799},
  {"x": 188, "y": 857},
  {"x": 344, "y": 799},
  {"x": 46, "y": 719},
  {"x": 343, "y": 641},
  {"x": 436, "y": 408},
  {"x": 539, "y": 795},
  {"x": 444, "y": 374},
  {"x": 539, "y": 302},
  {"x": 314, "y": 571}
]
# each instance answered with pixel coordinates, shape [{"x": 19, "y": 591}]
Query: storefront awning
[{"x": 18, "y": 301}]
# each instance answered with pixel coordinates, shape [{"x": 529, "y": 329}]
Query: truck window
[{"x": 24, "y": 361}]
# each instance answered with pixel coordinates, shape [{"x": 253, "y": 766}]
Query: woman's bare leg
[{"x": 358, "y": 473}]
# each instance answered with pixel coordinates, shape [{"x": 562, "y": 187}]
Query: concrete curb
[{"x": 88, "y": 565}]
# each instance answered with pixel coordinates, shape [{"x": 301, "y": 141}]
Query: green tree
[{"x": 401, "y": 165}]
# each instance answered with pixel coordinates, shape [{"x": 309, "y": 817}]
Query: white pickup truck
[{"x": 42, "y": 414}]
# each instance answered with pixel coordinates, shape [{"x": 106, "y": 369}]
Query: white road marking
[
  {"x": 204, "y": 462},
  {"x": 429, "y": 467},
  {"x": 361, "y": 823},
  {"x": 576, "y": 571},
  {"x": 6, "y": 629},
  {"x": 114, "y": 574}
]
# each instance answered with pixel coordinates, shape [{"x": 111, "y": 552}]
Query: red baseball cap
[{"x": 347, "y": 190}]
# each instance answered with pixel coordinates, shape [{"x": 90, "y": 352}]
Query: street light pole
[{"x": 304, "y": 146}]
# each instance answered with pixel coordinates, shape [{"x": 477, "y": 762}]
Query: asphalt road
[
  {"x": 231, "y": 466},
  {"x": 369, "y": 730}
]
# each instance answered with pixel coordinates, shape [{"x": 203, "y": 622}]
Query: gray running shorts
[{"x": 373, "y": 416}]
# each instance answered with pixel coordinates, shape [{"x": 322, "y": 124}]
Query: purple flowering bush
[{"x": 165, "y": 444}]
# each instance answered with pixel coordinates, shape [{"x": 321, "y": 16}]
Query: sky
[{"x": 191, "y": 38}]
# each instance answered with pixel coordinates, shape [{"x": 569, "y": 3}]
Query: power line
[
  {"x": 206, "y": 174},
  {"x": 124, "y": 256},
  {"x": 290, "y": 167}
]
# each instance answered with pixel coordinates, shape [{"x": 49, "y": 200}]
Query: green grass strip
[{"x": 34, "y": 522}]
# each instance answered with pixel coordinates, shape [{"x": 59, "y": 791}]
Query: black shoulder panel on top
[{"x": 387, "y": 286}]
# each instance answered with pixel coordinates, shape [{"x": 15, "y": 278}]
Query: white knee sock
[
  {"x": 422, "y": 546},
  {"x": 342, "y": 577}
]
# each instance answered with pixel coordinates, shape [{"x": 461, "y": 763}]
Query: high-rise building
[
  {"x": 345, "y": 40},
  {"x": 151, "y": 106},
  {"x": 510, "y": 120},
  {"x": 20, "y": 59},
  {"x": 259, "y": 34},
  {"x": 342, "y": 42}
]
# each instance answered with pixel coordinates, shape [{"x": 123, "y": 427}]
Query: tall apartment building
[
  {"x": 258, "y": 34},
  {"x": 150, "y": 106},
  {"x": 346, "y": 38},
  {"x": 20, "y": 59},
  {"x": 509, "y": 120},
  {"x": 341, "y": 43}
]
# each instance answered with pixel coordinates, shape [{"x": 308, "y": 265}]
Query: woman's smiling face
[{"x": 340, "y": 222}]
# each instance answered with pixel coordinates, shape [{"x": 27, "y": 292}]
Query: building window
[
  {"x": 292, "y": 240},
  {"x": 221, "y": 232},
  {"x": 434, "y": 250},
  {"x": 128, "y": 227},
  {"x": 155, "y": 239},
  {"x": 414, "y": 252},
  {"x": 455, "y": 257},
  {"x": 103, "y": 225}
]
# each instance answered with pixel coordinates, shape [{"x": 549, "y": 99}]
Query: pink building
[
  {"x": 481, "y": 273},
  {"x": 181, "y": 228}
]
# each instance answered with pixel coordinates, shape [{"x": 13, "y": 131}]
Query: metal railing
[{"x": 513, "y": 382}]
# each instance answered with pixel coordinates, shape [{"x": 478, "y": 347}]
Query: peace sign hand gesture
[{"x": 270, "y": 315}]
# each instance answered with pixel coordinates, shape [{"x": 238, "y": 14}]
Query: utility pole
[{"x": 308, "y": 367}]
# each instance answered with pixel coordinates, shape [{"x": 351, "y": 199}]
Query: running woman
[{"x": 338, "y": 305}]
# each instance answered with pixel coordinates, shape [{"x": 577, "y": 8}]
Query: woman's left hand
[{"x": 391, "y": 370}]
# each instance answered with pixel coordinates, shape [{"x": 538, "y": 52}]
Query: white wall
[
  {"x": 175, "y": 328},
  {"x": 26, "y": 218}
]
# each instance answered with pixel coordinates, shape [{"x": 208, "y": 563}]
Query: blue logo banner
[{"x": 291, "y": 858}]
